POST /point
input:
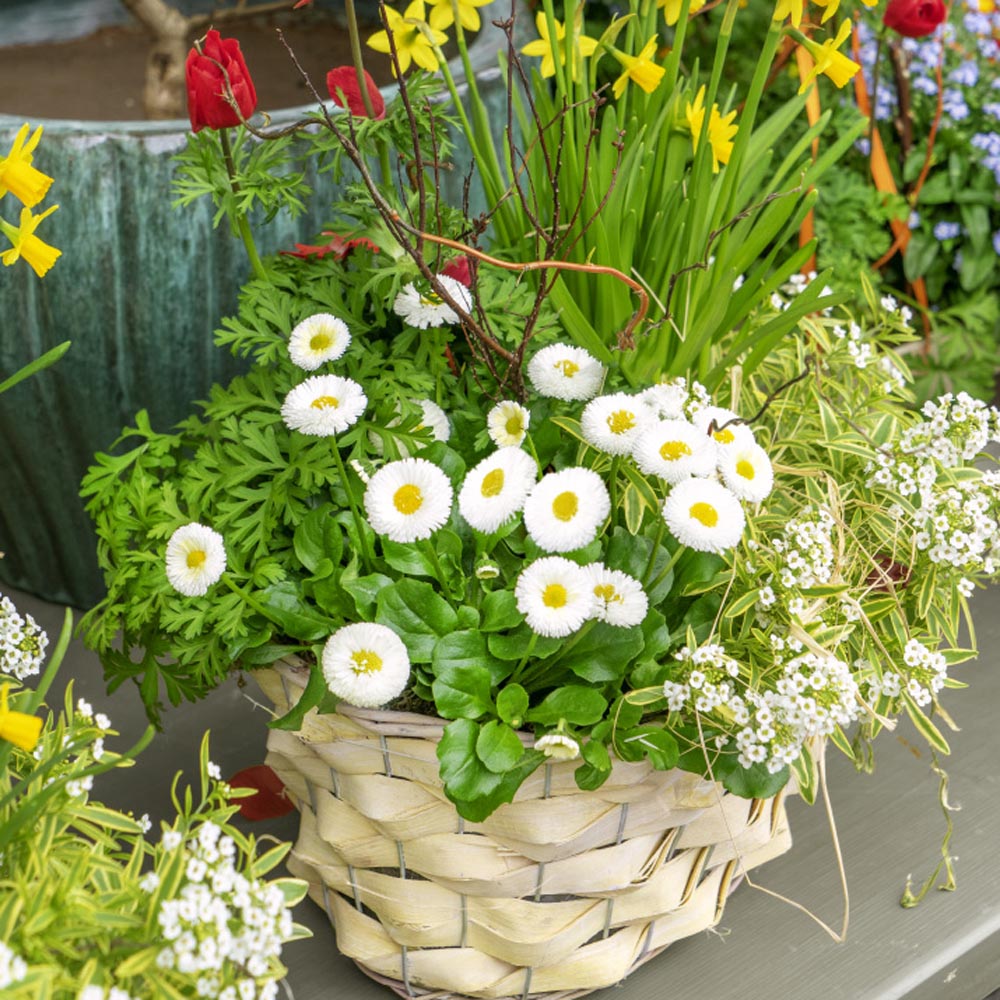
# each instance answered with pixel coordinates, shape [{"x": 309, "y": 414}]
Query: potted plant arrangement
[{"x": 562, "y": 561}]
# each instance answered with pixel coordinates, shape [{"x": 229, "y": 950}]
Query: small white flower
[
  {"x": 703, "y": 515},
  {"x": 149, "y": 882},
  {"x": 408, "y": 500},
  {"x": 102, "y": 721},
  {"x": 674, "y": 450},
  {"x": 667, "y": 400},
  {"x": 747, "y": 471},
  {"x": 434, "y": 419},
  {"x": 91, "y": 992},
  {"x": 366, "y": 664},
  {"x": 507, "y": 424},
  {"x": 214, "y": 771},
  {"x": 612, "y": 423},
  {"x": 171, "y": 840},
  {"x": 495, "y": 490},
  {"x": 555, "y": 596},
  {"x": 558, "y": 746},
  {"x": 318, "y": 339},
  {"x": 196, "y": 558},
  {"x": 323, "y": 405},
  {"x": 621, "y": 600},
  {"x": 723, "y": 425},
  {"x": 565, "y": 372},
  {"x": 565, "y": 509},
  {"x": 84, "y": 709},
  {"x": 427, "y": 309}
]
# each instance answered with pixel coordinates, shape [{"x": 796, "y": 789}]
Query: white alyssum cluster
[
  {"x": 858, "y": 348},
  {"x": 804, "y": 557},
  {"x": 222, "y": 924},
  {"x": 958, "y": 526},
  {"x": 22, "y": 642},
  {"x": 95, "y": 992},
  {"x": 768, "y": 726},
  {"x": 921, "y": 675},
  {"x": 13, "y": 968}
]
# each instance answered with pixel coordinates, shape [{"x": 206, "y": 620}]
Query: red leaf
[
  {"x": 338, "y": 247},
  {"x": 271, "y": 799}
]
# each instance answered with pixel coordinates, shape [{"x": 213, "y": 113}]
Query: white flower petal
[
  {"x": 408, "y": 500},
  {"x": 366, "y": 664},
  {"x": 323, "y": 405},
  {"x": 674, "y": 450},
  {"x": 555, "y": 596},
  {"x": 318, "y": 339},
  {"x": 507, "y": 424},
  {"x": 196, "y": 558},
  {"x": 495, "y": 490},
  {"x": 703, "y": 515},
  {"x": 565, "y": 372},
  {"x": 565, "y": 509}
]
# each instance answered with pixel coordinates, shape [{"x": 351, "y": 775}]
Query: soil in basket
[{"x": 100, "y": 77}]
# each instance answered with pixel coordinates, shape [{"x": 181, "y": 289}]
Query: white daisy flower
[
  {"x": 495, "y": 490},
  {"x": 565, "y": 509},
  {"x": 674, "y": 450},
  {"x": 426, "y": 309},
  {"x": 703, "y": 515},
  {"x": 747, "y": 471},
  {"x": 565, "y": 372},
  {"x": 507, "y": 424},
  {"x": 555, "y": 596},
  {"x": 408, "y": 500},
  {"x": 323, "y": 405},
  {"x": 620, "y": 598},
  {"x": 667, "y": 399},
  {"x": 558, "y": 746},
  {"x": 366, "y": 664},
  {"x": 196, "y": 558},
  {"x": 612, "y": 423},
  {"x": 435, "y": 420},
  {"x": 722, "y": 431},
  {"x": 318, "y": 339}
]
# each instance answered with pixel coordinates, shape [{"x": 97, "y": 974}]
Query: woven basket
[{"x": 559, "y": 893}]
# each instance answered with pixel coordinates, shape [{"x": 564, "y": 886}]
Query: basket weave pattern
[{"x": 560, "y": 892}]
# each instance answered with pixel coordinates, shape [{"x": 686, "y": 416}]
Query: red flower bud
[
  {"x": 210, "y": 66},
  {"x": 459, "y": 270},
  {"x": 338, "y": 246},
  {"x": 345, "y": 79},
  {"x": 914, "y": 18}
]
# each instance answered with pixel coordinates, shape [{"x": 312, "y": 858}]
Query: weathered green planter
[{"x": 139, "y": 289}]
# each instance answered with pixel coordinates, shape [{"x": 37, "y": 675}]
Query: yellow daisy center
[
  {"x": 408, "y": 499},
  {"x": 366, "y": 661},
  {"x": 567, "y": 367},
  {"x": 492, "y": 483},
  {"x": 725, "y": 436},
  {"x": 514, "y": 426},
  {"x": 621, "y": 421},
  {"x": 705, "y": 513},
  {"x": 430, "y": 299},
  {"x": 607, "y": 593},
  {"x": 320, "y": 341},
  {"x": 745, "y": 469},
  {"x": 554, "y": 595},
  {"x": 196, "y": 558},
  {"x": 565, "y": 506},
  {"x": 322, "y": 402},
  {"x": 670, "y": 451}
]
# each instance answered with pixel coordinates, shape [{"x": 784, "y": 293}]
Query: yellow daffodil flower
[
  {"x": 543, "y": 47},
  {"x": 25, "y": 182},
  {"x": 789, "y": 8},
  {"x": 640, "y": 69},
  {"x": 830, "y": 8},
  {"x": 721, "y": 129},
  {"x": 829, "y": 61},
  {"x": 26, "y": 244},
  {"x": 413, "y": 37},
  {"x": 16, "y": 727},
  {"x": 443, "y": 14},
  {"x": 672, "y": 9}
]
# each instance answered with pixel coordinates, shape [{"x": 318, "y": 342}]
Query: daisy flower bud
[
  {"x": 196, "y": 558},
  {"x": 366, "y": 664},
  {"x": 558, "y": 746}
]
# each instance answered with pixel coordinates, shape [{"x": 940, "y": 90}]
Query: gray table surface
[{"x": 948, "y": 948}]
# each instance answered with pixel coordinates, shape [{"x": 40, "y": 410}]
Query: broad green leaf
[
  {"x": 311, "y": 696},
  {"x": 649, "y": 741},
  {"x": 499, "y": 747},
  {"x": 462, "y": 691},
  {"x": 292, "y": 615},
  {"x": 512, "y": 703},
  {"x": 418, "y": 615},
  {"x": 467, "y": 647},
  {"x": 756, "y": 782},
  {"x": 577, "y": 705},
  {"x": 499, "y": 611},
  {"x": 604, "y": 653}
]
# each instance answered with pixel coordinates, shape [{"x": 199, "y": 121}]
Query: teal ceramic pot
[{"x": 139, "y": 290}]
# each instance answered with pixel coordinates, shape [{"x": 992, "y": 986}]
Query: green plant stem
[
  {"x": 359, "y": 69},
  {"x": 661, "y": 576},
  {"x": 242, "y": 225},
  {"x": 674, "y": 59},
  {"x": 660, "y": 531},
  {"x": 432, "y": 557},
  {"x": 359, "y": 521},
  {"x": 524, "y": 659},
  {"x": 247, "y": 598},
  {"x": 551, "y": 668}
]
